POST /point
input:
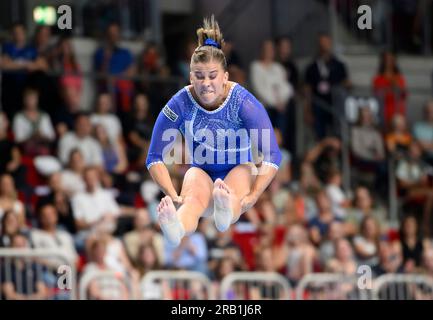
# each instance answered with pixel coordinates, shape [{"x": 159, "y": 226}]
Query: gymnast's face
[{"x": 209, "y": 80}]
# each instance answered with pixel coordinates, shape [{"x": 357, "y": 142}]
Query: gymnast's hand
[
  {"x": 248, "y": 202},
  {"x": 177, "y": 200}
]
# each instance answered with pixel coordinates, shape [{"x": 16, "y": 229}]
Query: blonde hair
[{"x": 205, "y": 52}]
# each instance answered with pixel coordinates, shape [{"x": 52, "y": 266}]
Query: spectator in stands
[
  {"x": 191, "y": 254},
  {"x": 339, "y": 201},
  {"x": 116, "y": 64},
  {"x": 323, "y": 75},
  {"x": 411, "y": 243},
  {"x": 9, "y": 227},
  {"x": 296, "y": 255},
  {"x": 344, "y": 261},
  {"x": 113, "y": 152},
  {"x": 147, "y": 259},
  {"x": 95, "y": 207},
  {"x": 318, "y": 226},
  {"x": 398, "y": 138},
  {"x": 423, "y": 132},
  {"x": 366, "y": 244},
  {"x": 363, "y": 206},
  {"x": 17, "y": 61},
  {"x": 12, "y": 284},
  {"x": 390, "y": 259},
  {"x": 49, "y": 236},
  {"x": 269, "y": 82},
  {"x": 9, "y": 199},
  {"x": 324, "y": 157},
  {"x": 139, "y": 130},
  {"x": 10, "y": 161},
  {"x": 413, "y": 183},
  {"x": 284, "y": 56},
  {"x": 81, "y": 139},
  {"x": 327, "y": 248},
  {"x": 224, "y": 267},
  {"x": 72, "y": 176},
  {"x": 389, "y": 87},
  {"x": 107, "y": 288},
  {"x": 368, "y": 149},
  {"x": 70, "y": 82},
  {"x": 107, "y": 119},
  {"x": 143, "y": 234},
  {"x": 32, "y": 127},
  {"x": 59, "y": 198}
]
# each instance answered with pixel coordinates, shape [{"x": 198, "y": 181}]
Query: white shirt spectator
[
  {"x": 61, "y": 241},
  {"x": 111, "y": 124},
  {"x": 336, "y": 195},
  {"x": 89, "y": 147},
  {"x": 72, "y": 182},
  {"x": 91, "y": 207},
  {"x": 270, "y": 83},
  {"x": 23, "y": 128}
]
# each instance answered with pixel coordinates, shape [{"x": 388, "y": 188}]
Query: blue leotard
[{"x": 217, "y": 140}]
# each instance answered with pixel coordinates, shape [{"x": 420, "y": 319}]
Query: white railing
[
  {"x": 111, "y": 286},
  {"x": 403, "y": 287},
  {"x": 39, "y": 257},
  {"x": 255, "y": 285}
]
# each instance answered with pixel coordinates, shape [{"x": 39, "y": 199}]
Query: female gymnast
[{"x": 226, "y": 182}]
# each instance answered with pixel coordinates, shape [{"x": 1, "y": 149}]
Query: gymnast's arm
[
  {"x": 164, "y": 135},
  {"x": 254, "y": 116}
]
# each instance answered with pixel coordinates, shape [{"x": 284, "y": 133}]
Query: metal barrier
[
  {"x": 175, "y": 285},
  {"x": 110, "y": 285},
  {"x": 24, "y": 268},
  {"x": 330, "y": 286},
  {"x": 403, "y": 287},
  {"x": 255, "y": 285}
]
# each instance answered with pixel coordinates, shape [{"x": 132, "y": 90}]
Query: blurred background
[{"x": 348, "y": 216}]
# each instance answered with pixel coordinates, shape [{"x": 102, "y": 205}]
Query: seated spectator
[
  {"x": 363, "y": 206},
  {"x": 139, "y": 130},
  {"x": 12, "y": 286},
  {"x": 101, "y": 288},
  {"x": 48, "y": 236},
  {"x": 411, "y": 243},
  {"x": 224, "y": 267},
  {"x": 9, "y": 228},
  {"x": 10, "y": 161},
  {"x": 423, "y": 132},
  {"x": 389, "y": 86},
  {"x": 147, "y": 259},
  {"x": 296, "y": 254},
  {"x": 366, "y": 244},
  {"x": 116, "y": 63},
  {"x": 18, "y": 60},
  {"x": 318, "y": 226},
  {"x": 339, "y": 201},
  {"x": 269, "y": 82},
  {"x": 398, "y": 138},
  {"x": 9, "y": 199},
  {"x": 95, "y": 208},
  {"x": 108, "y": 120},
  {"x": 113, "y": 153},
  {"x": 191, "y": 254},
  {"x": 234, "y": 65},
  {"x": 143, "y": 233},
  {"x": 390, "y": 259},
  {"x": 344, "y": 261},
  {"x": 72, "y": 177},
  {"x": 327, "y": 247},
  {"x": 58, "y": 197},
  {"x": 413, "y": 183},
  {"x": 81, "y": 139},
  {"x": 32, "y": 128}
]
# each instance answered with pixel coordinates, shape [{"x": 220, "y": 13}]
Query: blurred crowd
[{"x": 75, "y": 180}]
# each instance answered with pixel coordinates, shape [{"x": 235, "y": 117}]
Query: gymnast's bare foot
[
  {"x": 170, "y": 224},
  {"x": 223, "y": 213}
]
